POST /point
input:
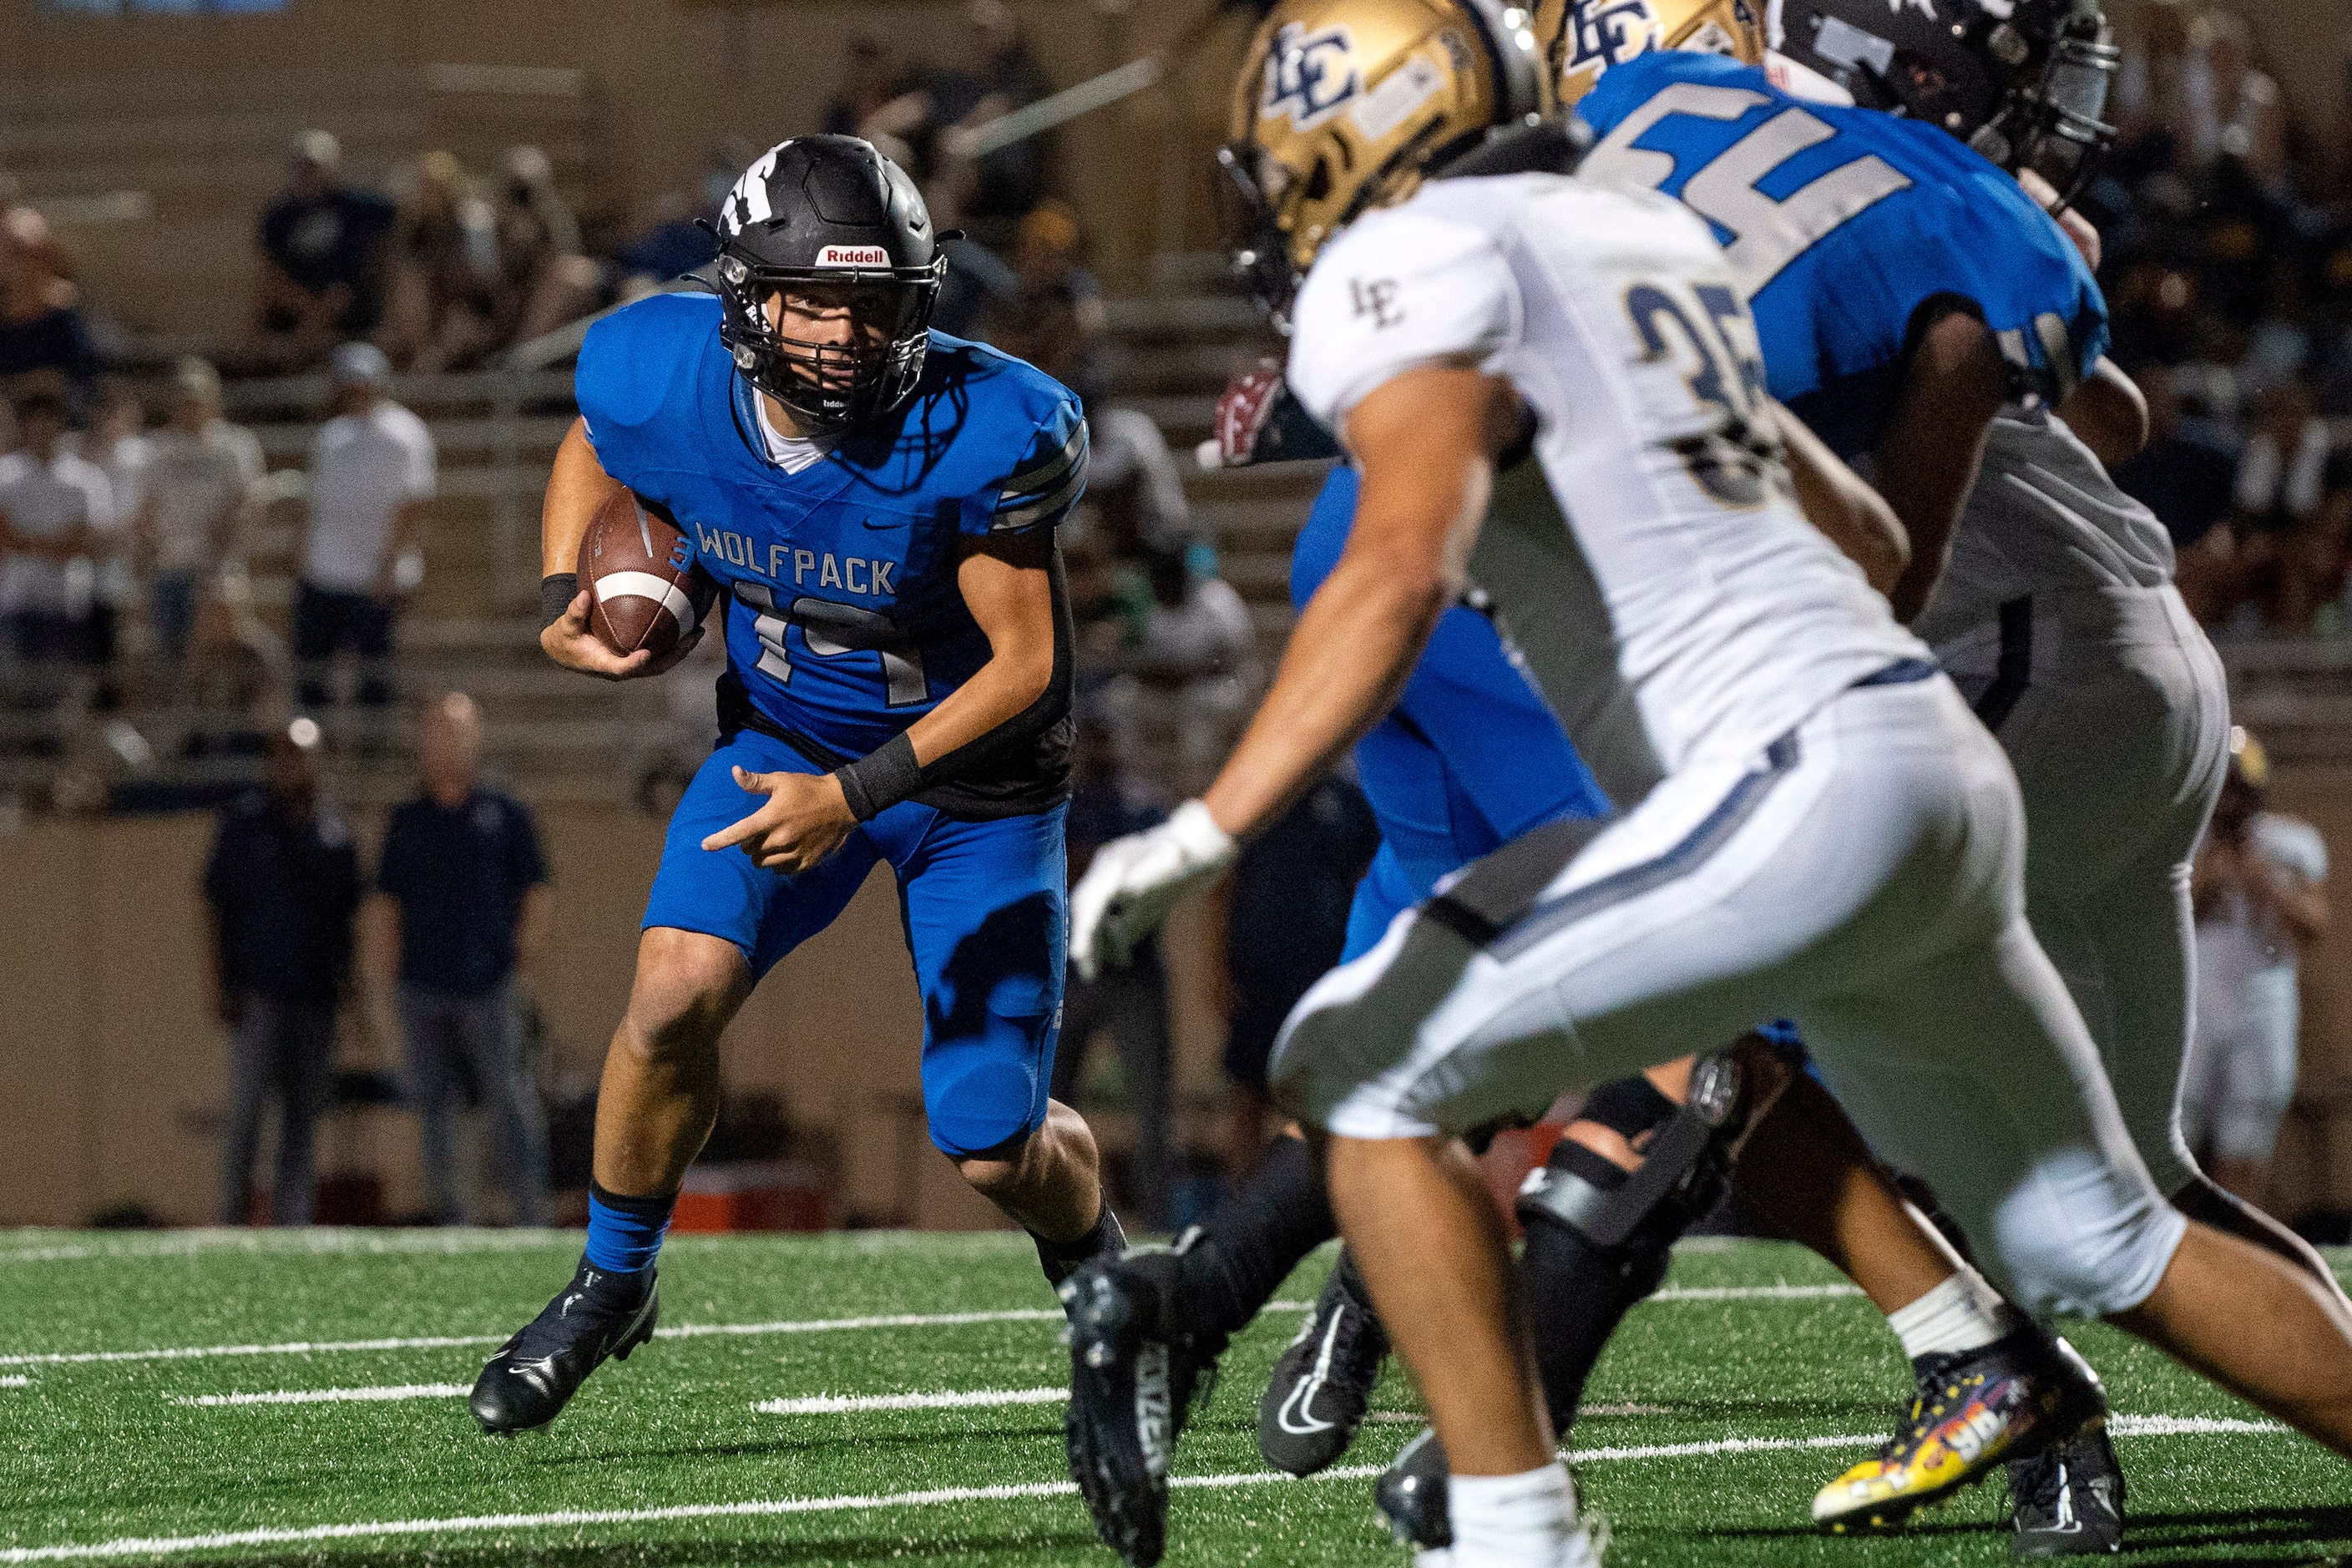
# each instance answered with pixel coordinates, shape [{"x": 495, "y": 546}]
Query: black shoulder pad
[{"x": 1547, "y": 147}]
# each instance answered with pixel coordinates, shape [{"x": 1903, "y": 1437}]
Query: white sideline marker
[
  {"x": 1667, "y": 1297},
  {"x": 853, "y": 1403},
  {"x": 181, "y": 1546},
  {"x": 332, "y": 1395}
]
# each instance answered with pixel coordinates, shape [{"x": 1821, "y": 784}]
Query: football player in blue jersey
[{"x": 879, "y": 502}]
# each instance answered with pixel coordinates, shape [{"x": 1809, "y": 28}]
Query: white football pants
[
  {"x": 2114, "y": 711},
  {"x": 1863, "y": 876}
]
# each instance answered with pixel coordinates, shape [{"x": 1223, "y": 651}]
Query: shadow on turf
[
  {"x": 2295, "y": 1535},
  {"x": 682, "y": 1553}
]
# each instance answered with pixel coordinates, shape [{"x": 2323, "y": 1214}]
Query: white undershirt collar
[{"x": 794, "y": 454}]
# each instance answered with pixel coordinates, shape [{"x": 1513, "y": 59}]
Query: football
[{"x": 638, "y": 563}]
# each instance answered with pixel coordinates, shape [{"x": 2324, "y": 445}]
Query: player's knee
[
  {"x": 2082, "y": 1238},
  {"x": 1333, "y": 1041},
  {"x": 994, "y": 1176},
  {"x": 688, "y": 986}
]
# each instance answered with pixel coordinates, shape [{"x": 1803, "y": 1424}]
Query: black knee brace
[{"x": 1599, "y": 1238}]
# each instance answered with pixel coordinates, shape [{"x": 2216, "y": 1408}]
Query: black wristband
[
  {"x": 555, "y": 595},
  {"x": 881, "y": 779}
]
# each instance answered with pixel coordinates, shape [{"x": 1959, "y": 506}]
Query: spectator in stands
[
  {"x": 1055, "y": 316},
  {"x": 2287, "y": 523},
  {"x": 238, "y": 676},
  {"x": 2188, "y": 472},
  {"x": 936, "y": 122},
  {"x": 372, "y": 471},
  {"x": 2260, "y": 893},
  {"x": 117, "y": 442},
  {"x": 53, "y": 505},
  {"x": 43, "y": 333},
  {"x": 868, "y": 81},
  {"x": 462, "y": 898},
  {"x": 1286, "y": 921},
  {"x": 1196, "y": 645},
  {"x": 319, "y": 277},
  {"x": 1108, "y": 801},
  {"x": 674, "y": 241},
  {"x": 196, "y": 499},
  {"x": 444, "y": 256},
  {"x": 543, "y": 280},
  {"x": 281, "y": 890}
]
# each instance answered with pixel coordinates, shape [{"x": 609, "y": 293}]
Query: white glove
[{"x": 1135, "y": 881}]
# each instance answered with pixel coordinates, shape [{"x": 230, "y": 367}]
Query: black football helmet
[
  {"x": 830, "y": 212},
  {"x": 2023, "y": 81}
]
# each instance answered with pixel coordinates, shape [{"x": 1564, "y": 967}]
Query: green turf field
[{"x": 1720, "y": 1409}]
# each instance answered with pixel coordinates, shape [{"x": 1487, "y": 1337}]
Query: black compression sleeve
[
  {"x": 1023, "y": 728},
  {"x": 881, "y": 779},
  {"x": 556, "y": 591}
]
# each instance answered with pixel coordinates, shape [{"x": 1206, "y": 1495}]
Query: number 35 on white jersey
[{"x": 1617, "y": 318}]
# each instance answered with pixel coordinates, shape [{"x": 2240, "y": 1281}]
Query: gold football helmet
[
  {"x": 1581, "y": 38},
  {"x": 1344, "y": 105}
]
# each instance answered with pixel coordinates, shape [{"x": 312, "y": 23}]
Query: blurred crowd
[
  {"x": 132, "y": 628},
  {"x": 2227, "y": 220}
]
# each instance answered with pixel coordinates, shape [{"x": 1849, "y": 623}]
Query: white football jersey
[
  {"x": 2043, "y": 516},
  {"x": 1616, "y": 316}
]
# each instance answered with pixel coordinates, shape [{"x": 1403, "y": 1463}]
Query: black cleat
[
  {"x": 1410, "y": 1495},
  {"x": 1104, "y": 1243},
  {"x": 1133, "y": 1377},
  {"x": 2068, "y": 1500},
  {"x": 599, "y": 1314},
  {"x": 1322, "y": 1386}
]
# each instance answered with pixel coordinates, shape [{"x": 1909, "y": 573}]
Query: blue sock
[{"x": 624, "y": 1235}]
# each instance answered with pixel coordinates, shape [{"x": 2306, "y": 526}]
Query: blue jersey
[
  {"x": 844, "y": 622},
  {"x": 1470, "y": 758},
  {"x": 1843, "y": 223}
]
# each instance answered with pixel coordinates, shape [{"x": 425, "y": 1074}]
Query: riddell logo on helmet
[{"x": 852, "y": 256}]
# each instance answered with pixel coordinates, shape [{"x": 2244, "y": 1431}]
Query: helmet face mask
[
  {"x": 827, "y": 273},
  {"x": 1345, "y": 105},
  {"x": 2023, "y": 81}
]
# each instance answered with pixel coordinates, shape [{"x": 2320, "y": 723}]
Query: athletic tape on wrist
[
  {"x": 556, "y": 592},
  {"x": 881, "y": 779}
]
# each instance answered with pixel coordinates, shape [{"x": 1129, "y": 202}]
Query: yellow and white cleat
[{"x": 1971, "y": 1415}]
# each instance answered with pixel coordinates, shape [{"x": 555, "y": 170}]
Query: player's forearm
[
  {"x": 1929, "y": 459},
  {"x": 2108, "y": 412},
  {"x": 576, "y": 489},
  {"x": 1849, "y": 513},
  {"x": 1348, "y": 662},
  {"x": 1003, "y": 689}
]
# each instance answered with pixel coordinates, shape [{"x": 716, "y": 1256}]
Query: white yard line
[
  {"x": 293, "y": 1242},
  {"x": 295, "y": 1347},
  {"x": 853, "y": 1403},
  {"x": 18, "y": 1381},
  {"x": 332, "y": 1395},
  {"x": 181, "y": 1546},
  {"x": 36, "y": 1247},
  {"x": 1669, "y": 1296},
  {"x": 455, "y": 1342},
  {"x": 1673, "y": 1293}
]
